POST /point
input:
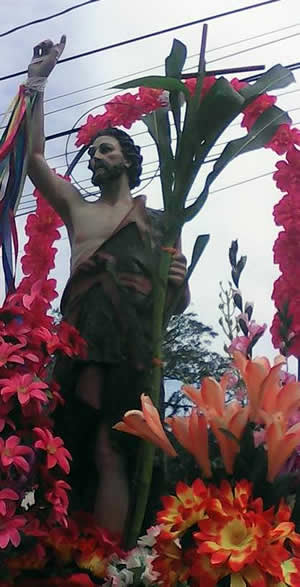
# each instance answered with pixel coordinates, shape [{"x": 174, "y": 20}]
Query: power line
[
  {"x": 185, "y": 69},
  {"x": 211, "y": 160},
  {"x": 27, "y": 24},
  {"x": 135, "y": 73},
  {"x": 68, "y": 132},
  {"x": 150, "y": 35}
]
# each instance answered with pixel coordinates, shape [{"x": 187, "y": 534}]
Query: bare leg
[{"x": 112, "y": 498}]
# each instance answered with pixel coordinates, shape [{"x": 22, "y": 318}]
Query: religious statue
[{"x": 115, "y": 242}]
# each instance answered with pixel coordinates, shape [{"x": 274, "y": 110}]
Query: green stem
[{"x": 147, "y": 450}]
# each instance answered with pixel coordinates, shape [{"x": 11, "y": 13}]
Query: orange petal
[
  {"x": 270, "y": 389},
  {"x": 280, "y": 446},
  {"x": 134, "y": 422},
  {"x": 288, "y": 398},
  {"x": 194, "y": 394},
  {"x": 213, "y": 395},
  {"x": 151, "y": 416},
  {"x": 191, "y": 432},
  {"x": 240, "y": 362},
  {"x": 254, "y": 376}
]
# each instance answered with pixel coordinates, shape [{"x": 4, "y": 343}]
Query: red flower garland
[
  {"x": 31, "y": 458},
  {"x": 285, "y": 328}
]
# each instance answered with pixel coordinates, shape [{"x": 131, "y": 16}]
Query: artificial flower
[
  {"x": 10, "y": 526},
  {"x": 13, "y": 453},
  {"x": 25, "y": 387},
  {"x": 256, "y": 108},
  {"x": 191, "y": 431},
  {"x": 57, "y": 454},
  {"x": 147, "y": 425},
  {"x": 284, "y": 138}
]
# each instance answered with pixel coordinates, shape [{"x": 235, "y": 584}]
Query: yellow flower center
[
  {"x": 22, "y": 389},
  {"x": 234, "y": 534},
  {"x": 51, "y": 449}
]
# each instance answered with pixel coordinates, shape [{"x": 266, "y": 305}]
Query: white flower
[{"x": 150, "y": 538}]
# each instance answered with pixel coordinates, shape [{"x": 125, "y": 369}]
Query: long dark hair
[{"x": 130, "y": 151}]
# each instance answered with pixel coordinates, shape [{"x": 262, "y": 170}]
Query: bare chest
[{"x": 96, "y": 222}]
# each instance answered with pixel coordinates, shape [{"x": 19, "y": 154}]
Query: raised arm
[{"x": 59, "y": 193}]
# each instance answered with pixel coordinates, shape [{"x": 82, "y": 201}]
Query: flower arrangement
[
  {"x": 34, "y": 463},
  {"x": 237, "y": 523}
]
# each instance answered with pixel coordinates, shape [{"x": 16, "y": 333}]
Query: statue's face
[{"x": 107, "y": 161}]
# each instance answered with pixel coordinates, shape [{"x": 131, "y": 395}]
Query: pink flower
[
  {"x": 239, "y": 343},
  {"x": 287, "y": 211},
  {"x": 256, "y": 108},
  {"x": 38, "y": 260},
  {"x": 124, "y": 110},
  {"x": 275, "y": 331},
  {"x": 287, "y": 176},
  {"x": 10, "y": 526},
  {"x": 7, "y": 494},
  {"x": 207, "y": 84},
  {"x": 43, "y": 335},
  {"x": 57, "y": 454},
  {"x": 12, "y": 453},
  {"x": 237, "y": 84},
  {"x": 24, "y": 387},
  {"x": 284, "y": 139},
  {"x": 59, "y": 498},
  {"x": 71, "y": 341},
  {"x": 150, "y": 98},
  {"x": 9, "y": 353},
  {"x": 256, "y": 329},
  {"x": 287, "y": 252},
  {"x": 242, "y": 343}
]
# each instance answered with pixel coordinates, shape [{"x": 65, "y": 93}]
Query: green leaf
[
  {"x": 159, "y": 128},
  {"x": 219, "y": 107},
  {"x": 176, "y": 60},
  {"x": 207, "y": 122},
  {"x": 275, "y": 78},
  {"x": 261, "y": 133},
  {"x": 159, "y": 82},
  {"x": 199, "y": 246}
]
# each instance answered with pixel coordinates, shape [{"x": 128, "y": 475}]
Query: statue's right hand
[{"x": 45, "y": 57}]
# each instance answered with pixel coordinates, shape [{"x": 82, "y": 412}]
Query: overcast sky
[{"x": 244, "y": 211}]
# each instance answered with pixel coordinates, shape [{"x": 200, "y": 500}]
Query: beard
[{"x": 104, "y": 174}]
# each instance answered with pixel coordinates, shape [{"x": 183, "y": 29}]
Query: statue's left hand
[{"x": 177, "y": 269}]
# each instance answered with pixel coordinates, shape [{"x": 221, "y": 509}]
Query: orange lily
[
  {"x": 234, "y": 419},
  {"x": 210, "y": 399},
  {"x": 191, "y": 432},
  {"x": 146, "y": 424},
  {"x": 281, "y": 441},
  {"x": 262, "y": 380}
]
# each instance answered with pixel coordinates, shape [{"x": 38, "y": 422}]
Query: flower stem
[{"x": 147, "y": 450}]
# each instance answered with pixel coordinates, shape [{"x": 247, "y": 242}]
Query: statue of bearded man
[{"x": 115, "y": 243}]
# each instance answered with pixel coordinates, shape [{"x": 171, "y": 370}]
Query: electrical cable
[
  {"x": 211, "y": 160},
  {"x": 75, "y": 129},
  {"x": 150, "y": 35},
  {"x": 27, "y": 24},
  {"x": 134, "y": 74}
]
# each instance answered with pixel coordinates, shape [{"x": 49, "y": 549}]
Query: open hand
[{"x": 45, "y": 57}]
